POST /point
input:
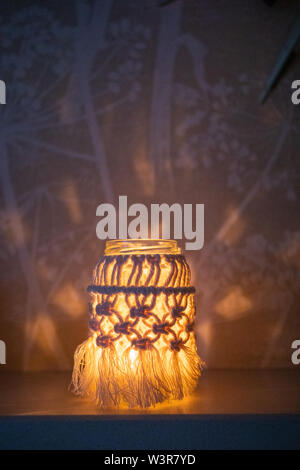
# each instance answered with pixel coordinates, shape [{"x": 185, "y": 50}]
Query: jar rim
[{"x": 128, "y": 246}]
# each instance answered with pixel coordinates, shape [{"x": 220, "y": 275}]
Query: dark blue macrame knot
[
  {"x": 103, "y": 341},
  {"x": 189, "y": 327},
  {"x": 176, "y": 344},
  {"x": 104, "y": 309},
  {"x": 141, "y": 343},
  {"x": 160, "y": 328},
  {"x": 170, "y": 258},
  {"x": 177, "y": 312},
  {"x": 94, "y": 324},
  {"x": 142, "y": 312},
  {"x": 122, "y": 328},
  {"x": 138, "y": 259},
  {"x": 153, "y": 258},
  {"x": 145, "y": 290}
]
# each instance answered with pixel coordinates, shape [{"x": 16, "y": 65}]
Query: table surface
[{"x": 229, "y": 392}]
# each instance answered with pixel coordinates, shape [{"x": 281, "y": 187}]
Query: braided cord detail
[{"x": 145, "y": 290}]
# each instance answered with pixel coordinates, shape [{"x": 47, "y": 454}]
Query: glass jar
[{"x": 142, "y": 347}]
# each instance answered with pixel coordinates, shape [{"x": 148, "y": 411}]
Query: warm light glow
[
  {"x": 132, "y": 356},
  {"x": 142, "y": 347},
  {"x": 235, "y": 304},
  {"x": 141, "y": 246},
  {"x": 71, "y": 200},
  {"x": 68, "y": 300}
]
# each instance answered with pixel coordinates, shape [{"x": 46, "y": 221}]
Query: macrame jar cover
[{"x": 142, "y": 348}]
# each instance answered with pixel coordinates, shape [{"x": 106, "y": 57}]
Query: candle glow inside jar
[{"x": 141, "y": 349}]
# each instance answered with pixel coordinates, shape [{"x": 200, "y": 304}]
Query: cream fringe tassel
[{"x": 111, "y": 379}]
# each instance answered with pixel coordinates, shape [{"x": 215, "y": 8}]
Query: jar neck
[{"x": 141, "y": 246}]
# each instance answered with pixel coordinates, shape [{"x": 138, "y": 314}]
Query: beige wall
[{"x": 160, "y": 104}]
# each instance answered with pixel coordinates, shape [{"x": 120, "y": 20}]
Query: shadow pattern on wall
[{"x": 161, "y": 104}]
